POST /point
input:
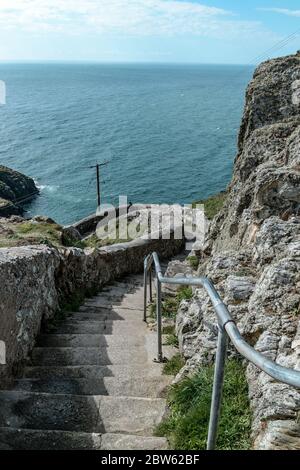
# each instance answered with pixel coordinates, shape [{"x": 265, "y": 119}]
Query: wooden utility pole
[{"x": 97, "y": 166}]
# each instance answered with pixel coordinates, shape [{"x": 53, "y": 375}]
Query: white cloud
[
  {"x": 135, "y": 17},
  {"x": 283, "y": 11}
]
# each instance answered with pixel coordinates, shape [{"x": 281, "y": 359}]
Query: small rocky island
[{"x": 15, "y": 188}]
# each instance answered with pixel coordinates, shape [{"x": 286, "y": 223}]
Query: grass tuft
[
  {"x": 186, "y": 426},
  {"x": 172, "y": 340},
  {"x": 194, "y": 262},
  {"x": 213, "y": 204},
  {"x": 168, "y": 330},
  {"x": 174, "y": 365}
]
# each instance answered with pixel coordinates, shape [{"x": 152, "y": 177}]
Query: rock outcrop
[
  {"x": 252, "y": 253},
  {"x": 14, "y": 188}
]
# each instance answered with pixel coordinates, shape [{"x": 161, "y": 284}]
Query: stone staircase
[{"x": 92, "y": 383}]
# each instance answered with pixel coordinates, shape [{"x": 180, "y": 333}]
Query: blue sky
[{"x": 180, "y": 31}]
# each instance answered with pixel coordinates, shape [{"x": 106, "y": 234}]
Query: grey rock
[
  {"x": 14, "y": 187},
  {"x": 70, "y": 235},
  {"x": 253, "y": 253}
]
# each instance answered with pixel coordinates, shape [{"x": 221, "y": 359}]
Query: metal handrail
[{"x": 227, "y": 329}]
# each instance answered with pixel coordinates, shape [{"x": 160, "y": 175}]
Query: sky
[{"x": 164, "y": 31}]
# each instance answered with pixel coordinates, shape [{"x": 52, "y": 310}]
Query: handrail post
[
  {"x": 150, "y": 284},
  {"x": 216, "y": 401},
  {"x": 158, "y": 318},
  {"x": 145, "y": 293}
]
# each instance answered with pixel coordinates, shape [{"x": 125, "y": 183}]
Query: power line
[
  {"x": 277, "y": 46},
  {"x": 18, "y": 200},
  {"x": 98, "y": 166}
]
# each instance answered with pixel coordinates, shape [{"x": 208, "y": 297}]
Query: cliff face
[
  {"x": 14, "y": 187},
  {"x": 266, "y": 180},
  {"x": 252, "y": 252}
]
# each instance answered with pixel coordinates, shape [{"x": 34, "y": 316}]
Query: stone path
[{"x": 92, "y": 383}]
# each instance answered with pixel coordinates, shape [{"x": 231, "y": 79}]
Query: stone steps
[
  {"x": 105, "y": 315},
  {"x": 151, "y": 387},
  {"x": 128, "y": 328},
  {"x": 24, "y": 439},
  {"x": 94, "y": 372},
  {"x": 26, "y": 410},
  {"x": 92, "y": 383},
  {"x": 116, "y": 355},
  {"x": 89, "y": 340},
  {"x": 87, "y": 356}
]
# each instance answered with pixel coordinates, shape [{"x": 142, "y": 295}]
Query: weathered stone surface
[
  {"x": 70, "y": 235},
  {"x": 27, "y": 280},
  {"x": 252, "y": 253},
  {"x": 104, "y": 392},
  {"x": 14, "y": 187},
  {"x": 36, "y": 279}
]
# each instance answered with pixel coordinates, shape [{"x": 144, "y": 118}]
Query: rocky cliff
[
  {"x": 14, "y": 188},
  {"x": 252, "y": 253}
]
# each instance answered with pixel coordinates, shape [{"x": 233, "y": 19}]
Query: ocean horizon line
[{"x": 100, "y": 62}]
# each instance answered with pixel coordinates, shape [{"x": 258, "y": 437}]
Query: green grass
[
  {"x": 31, "y": 233},
  {"x": 173, "y": 365},
  {"x": 184, "y": 293},
  {"x": 172, "y": 340},
  {"x": 213, "y": 204},
  {"x": 168, "y": 330},
  {"x": 170, "y": 304},
  {"x": 189, "y": 401},
  {"x": 194, "y": 262},
  {"x": 95, "y": 242},
  {"x": 169, "y": 307}
]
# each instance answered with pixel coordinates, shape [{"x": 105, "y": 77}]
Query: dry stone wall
[{"x": 36, "y": 280}]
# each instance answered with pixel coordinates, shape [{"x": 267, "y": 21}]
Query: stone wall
[
  {"x": 28, "y": 294},
  {"x": 35, "y": 280}
]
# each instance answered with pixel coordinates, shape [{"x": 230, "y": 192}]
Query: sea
[{"x": 168, "y": 132}]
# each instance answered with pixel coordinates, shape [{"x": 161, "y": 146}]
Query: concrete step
[
  {"x": 130, "y": 442},
  {"x": 126, "y": 415},
  {"x": 152, "y": 387},
  {"x": 88, "y": 356},
  {"x": 37, "y": 439},
  {"x": 31, "y": 439},
  {"x": 122, "y": 372},
  {"x": 90, "y": 340},
  {"x": 127, "y": 328},
  {"x": 128, "y": 301},
  {"x": 105, "y": 314}
]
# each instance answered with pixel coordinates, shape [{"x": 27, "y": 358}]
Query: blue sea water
[{"x": 169, "y": 131}]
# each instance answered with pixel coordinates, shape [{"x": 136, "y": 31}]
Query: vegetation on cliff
[
  {"x": 186, "y": 426},
  {"x": 213, "y": 204},
  {"x": 16, "y": 231}
]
